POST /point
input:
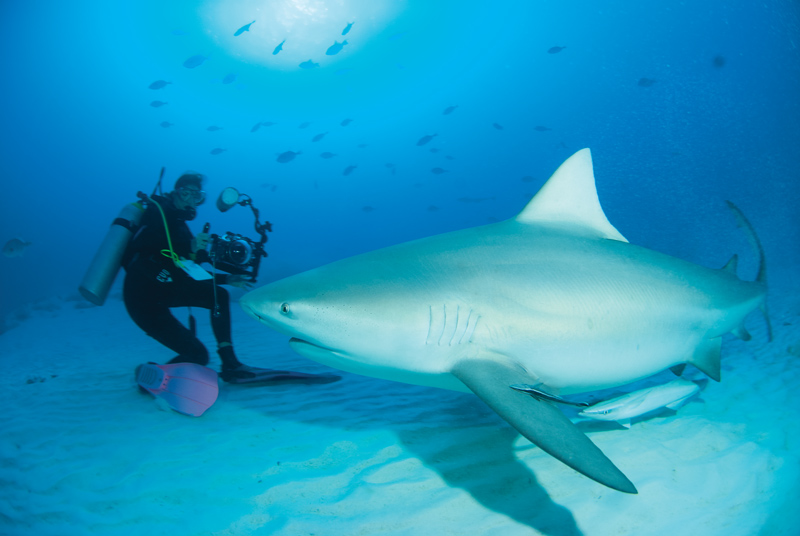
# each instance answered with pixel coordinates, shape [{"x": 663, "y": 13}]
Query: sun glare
[{"x": 284, "y": 34}]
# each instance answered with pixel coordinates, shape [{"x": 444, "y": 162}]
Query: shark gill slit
[
  {"x": 444, "y": 325},
  {"x": 455, "y": 328}
]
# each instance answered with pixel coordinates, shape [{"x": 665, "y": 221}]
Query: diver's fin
[
  {"x": 246, "y": 374},
  {"x": 706, "y": 357},
  {"x": 187, "y": 388},
  {"x": 539, "y": 421}
]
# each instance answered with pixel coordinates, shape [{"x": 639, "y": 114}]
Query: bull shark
[{"x": 554, "y": 299}]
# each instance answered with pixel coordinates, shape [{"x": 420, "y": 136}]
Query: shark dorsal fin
[{"x": 569, "y": 198}]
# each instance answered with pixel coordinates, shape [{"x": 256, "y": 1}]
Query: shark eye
[{"x": 285, "y": 309}]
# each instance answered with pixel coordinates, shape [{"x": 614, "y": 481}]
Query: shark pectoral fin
[
  {"x": 539, "y": 421},
  {"x": 706, "y": 357}
]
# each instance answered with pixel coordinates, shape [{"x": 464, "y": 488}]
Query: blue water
[
  {"x": 683, "y": 104},
  {"x": 80, "y": 137}
]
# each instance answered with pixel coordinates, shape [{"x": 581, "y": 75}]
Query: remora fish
[
  {"x": 554, "y": 298},
  {"x": 623, "y": 408}
]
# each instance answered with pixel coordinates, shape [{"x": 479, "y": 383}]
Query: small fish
[
  {"x": 318, "y": 137},
  {"x": 166, "y": 124},
  {"x": 229, "y": 79},
  {"x": 362, "y": 145},
  {"x": 194, "y": 61},
  {"x": 309, "y": 65},
  {"x": 256, "y": 127},
  {"x": 278, "y": 48},
  {"x": 498, "y": 126},
  {"x": 474, "y": 199},
  {"x": 434, "y": 149},
  {"x": 719, "y": 62},
  {"x": 540, "y": 128},
  {"x": 218, "y": 151},
  {"x": 348, "y": 170},
  {"x": 527, "y": 178},
  {"x": 245, "y": 28},
  {"x": 623, "y": 408},
  {"x": 449, "y": 110},
  {"x": 288, "y": 156},
  {"x": 450, "y": 157},
  {"x": 555, "y": 50},
  {"x": 346, "y": 122},
  {"x": 433, "y": 208},
  {"x": 213, "y": 128},
  {"x": 347, "y": 28},
  {"x": 267, "y": 123},
  {"x": 438, "y": 171},
  {"x": 159, "y": 84},
  {"x": 304, "y": 125},
  {"x": 327, "y": 155},
  {"x": 392, "y": 167},
  {"x": 158, "y": 104},
  {"x": 15, "y": 247},
  {"x": 335, "y": 48},
  {"x": 425, "y": 139},
  {"x": 646, "y": 82},
  {"x": 367, "y": 208}
]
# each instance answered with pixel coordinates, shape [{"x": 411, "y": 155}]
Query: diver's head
[{"x": 188, "y": 192}]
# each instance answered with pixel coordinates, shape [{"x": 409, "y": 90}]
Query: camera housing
[{"x": 236, "y": 254}]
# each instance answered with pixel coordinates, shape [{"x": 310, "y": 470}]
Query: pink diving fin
[{"x": 187, "y": 388}]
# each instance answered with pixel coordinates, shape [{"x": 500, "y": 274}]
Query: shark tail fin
[{"x": 743, "y": 223}]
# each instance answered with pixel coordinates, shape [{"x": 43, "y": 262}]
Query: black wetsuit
[{"x": 153, "y": 284}]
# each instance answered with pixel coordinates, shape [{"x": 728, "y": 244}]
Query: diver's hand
[
  {"x": 199, "y": 242},
  {"x": 238, "y": 280}
]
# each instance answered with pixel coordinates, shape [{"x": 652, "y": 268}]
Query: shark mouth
[{"x": 320, "y": 354}]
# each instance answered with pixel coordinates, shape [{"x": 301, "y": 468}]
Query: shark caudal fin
[
  {"x": 538, "y": 420},
  {"x": 743, "y": 223}
]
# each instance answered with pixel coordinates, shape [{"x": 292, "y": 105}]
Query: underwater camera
[{"x": 235, "y": 253}]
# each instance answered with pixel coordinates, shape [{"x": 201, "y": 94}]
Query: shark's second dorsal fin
[{"x": 569, "y": 198}]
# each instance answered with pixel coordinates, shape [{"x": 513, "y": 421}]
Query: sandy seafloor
[{"x": 83, "y": 452}]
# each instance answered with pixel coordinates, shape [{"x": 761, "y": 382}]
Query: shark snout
[{"x": 254, "y": 305}]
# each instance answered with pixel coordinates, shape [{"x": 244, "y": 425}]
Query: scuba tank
[{"x": 106, "y": 263}]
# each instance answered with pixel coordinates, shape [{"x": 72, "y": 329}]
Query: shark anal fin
[
  {"x": 706, "y": 357},
  {"x": 539, "y": 421},
  {"x": 677, "y": 370}
]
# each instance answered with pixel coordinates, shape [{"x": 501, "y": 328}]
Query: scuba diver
[{"x": 155, "y": 282}]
